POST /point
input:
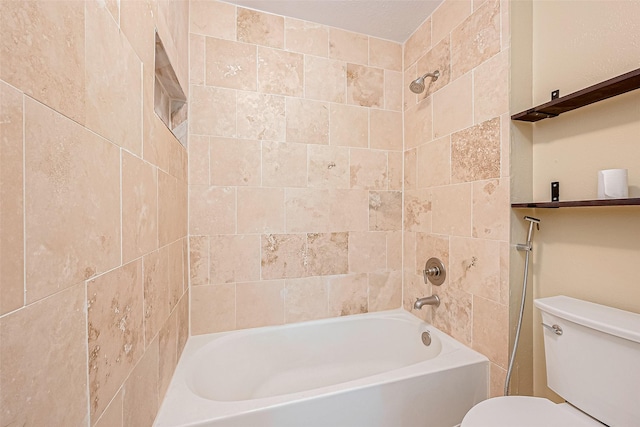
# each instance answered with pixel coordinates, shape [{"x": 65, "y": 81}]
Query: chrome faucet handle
[{"x": 434, "y": 272}]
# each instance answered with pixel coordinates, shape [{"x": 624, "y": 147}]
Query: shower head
[{"x": 417, "y": 86}]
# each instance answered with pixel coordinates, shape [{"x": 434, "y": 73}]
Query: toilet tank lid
[{"x": 613, "y": 321}]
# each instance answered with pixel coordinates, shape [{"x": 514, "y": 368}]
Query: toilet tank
[{"x": 595, "y": 363}]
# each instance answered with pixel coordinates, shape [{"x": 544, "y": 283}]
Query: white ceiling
[{"x": 388, "y": 19}]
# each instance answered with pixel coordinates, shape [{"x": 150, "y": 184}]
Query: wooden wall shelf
[
  {"x": 607, "y": 89},
  {"x": 578, "y": 203}
]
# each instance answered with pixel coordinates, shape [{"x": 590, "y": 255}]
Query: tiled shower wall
[
  {"x": 93, "y": 221},
  {"x": 295, "y": 174},
  {"x": 456, "y": 174}
]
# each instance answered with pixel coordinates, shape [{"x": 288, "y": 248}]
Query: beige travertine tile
[
  {"x": 112, "y": 416},
  {"x": 385, "y": 54},
  {"x": 505, "y": 38},
  {"x": 307, "y": 121},
  {"x": 212, "y": 210},
  {"x": 261, "y": 116},
  {"x": 113, "y": 77},
  {"x": 505, "y": 249},
  {"x": 199, "y": 160},
  {"x": 491, "y": 209},
  {"x": 173, "y": 28},
  {"x": 491, "y": 330},
  {"x": 437, "y": 58},
  {"x": 325, "y": 79},
  {"x": 434, "y": 163},
  {"x": 42, "y": 52},
  {"x": 212, "y": 111},
  {"x": 414, "y": 288},
  {"x": 116, "y": 332},
  {"x": 156, "y": 292},
  {"x": 176, "y": 272},
  {"x": 476, "y": 39},
  {"x": 454, "y": 314},
  {"x": 365, "y": 86},
  {"x": 306, "y": 209},
  {"x": 448, "y": 16},
  {"x": 453, "y": 107},
  {"x": 328, "y": 167},
  {"x": 212, "y": 18},
  {"x": 12, "y": 207},
  {"x": 348, "y": 46},
  {"x": 197, "y": 65},
  {"x": 284, "y": 165},
  {"x": 418, "y": 210},
  {"x": 418, "y": 43},
  {"x": 368, "y": 169},
  {"x": 260, "y": 210},
  {"x": 327, "y": 253},
  {"x": 349, "y": 126},
  {"x": 260, "y": 28},
  {"x": 410, "y": 169},
  {"x": 140, "y": 401},
  {"x": 497, "y": 377},
  {"x": 139, "y": 207},
  {"x": 185, "y": 265},
  {"x": 385, "y": 290},
  {"x": 305, "y": 299},
  {"x": 348, "y": 294},
  {"x": 234, "y": 258},
  {"x": 505, "y": 145},
  {"x": 260, "y": 304},
  {"x": 409, "y": 75},
  {"x": 72, "y": 183},
  {"x": 280, "y": 72},
  {"x": 385, "y": 210},
  {"x": 394, "y": 250},
  {"x": 306, "y": 37},
  {"x": 348, "y": 210},
  {"x": 199, "y": 260},
  {"x": 491, "y": 88},
  {"x": 183, "y": 322},
  {"x": 475, "y": 267},
  {"x": 167, "y": 348},
  {"x": 137, "y": 23},
  {"x": 409, "y": 251},
  {"x": 393, "y": 89},
  {"x": 430, "y": 246},
  {"x": 158, "y": 141},
  {"x": 44, "y": 362},
  {"x": 385, "y": 129},
  {"x": 231, "y": 64},
  {"x": 419, "y": 123},
  {"x": 234, "y": 162},
  {"x": 451, "y": 210},
  {"x": 213, "y": 308},
  {"x": 395, "y": 167},
  {"x": 475, "y": 152},
  {"x": 283, "y": 256},
  {"x": 172, "y": 208},
  {"x": 367, "y": 251}
]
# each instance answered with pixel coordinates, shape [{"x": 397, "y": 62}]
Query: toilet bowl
[{"x": 591, "y": 354}]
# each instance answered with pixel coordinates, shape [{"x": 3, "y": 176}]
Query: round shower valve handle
[{"x": 434, "y": 272}]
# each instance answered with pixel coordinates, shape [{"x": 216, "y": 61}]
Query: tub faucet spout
[{"x": 433, "y": 300}]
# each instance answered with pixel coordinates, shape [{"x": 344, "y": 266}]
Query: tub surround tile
[
  {"x": 260, "y": 304},
  {"x": 385, "y": 291},
  {"x": 167, "y": 347},
  {"x": 197, "y": 58},
  {"x": 419, "y": 123},
  {"x": 156, "y": 291},
  {"x": 365, "y": 86},
  {"x": 307, "y": 121},
  {"x": 385, "y": 210},
  {"x": 306, "y": 209},
  {"x": 183, "y": 323},
  {"x": 410, "y": 98},
  {"x": 71, "y": 182},
  {"x": 491, "y": 88},
  {"x": 212, "y": 210},
  {"x": 418, "y": 210},
  {"x": 497, "y": 379},
  {"x": 349, "y": 210},
  {"x": 213, "y": 18},
  {"x": 172, "y": 208},
  {"x": 280, "y": 72},
  {"x": 475, "y": 267},
  {"x": 43, "y": 378},
  {"x": 234, "y": 258},
  {"x": 112, "y": 416},
  {"x": 348, "y": 46},
  {"x": 213, "y": 111},
  {"x": 305, "y": 299},
  {"x": 475, "y": 152},
  {"x": 233, "y": 162},
  {"x": 230, "y": 64},
  {"x": 414, "y": 288},
  {"x": 448, "y": 16},
  {"x": 348, "y": 294},
  {"x": 429, "y": 246},
  {"x": 395, "y": 167},
  {"x": 409, "y": 258},
  {"x": 284, "y": 165},
  {"x": 306, "y": 37},
  {"x": 437, "y": 58},
  {"x": 140, "y": 402},
  {"x": 261, "y": 116},
  {"x": 385, "y": 54},
  {"x": 328, "y": 167},
  {"x": 260, "y": 28},
  {"x": 368, "y": 169},
  {"x": 434, "y": 163},
  {"x": 491, "y": 209},
  {"x": 410, "y": 169},
  {"x": 393, "y": 89},
  {"x": 491, "y": 330},
  {"x": 138, "y": 26},
  {"x": 364, "y": 252},
  {"x": 213, "y": 308},
  {"x": 199, "y": 170},
  {"x": 454, "y": 314},
  {"x": 176, "y": 273},
  {"x": 325, "y": 79},
  {"x": 11, "y": 192},
  {"x": 418, "y": 43},
  {"x": 260, "y": 210},
  {"x": 42, "y": 52},
  {"x": 385, "y": 129},
  {"x": 115, "y": 330},
  {"x": 327, "y": 253},
  {"x": 349, "y": 126},
  {"x": 453, "y": 107},
  {"x": 452, "y": 210},
  {"x": 394, "y": 250}
]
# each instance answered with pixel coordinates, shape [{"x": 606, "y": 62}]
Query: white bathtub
[{"x": 369, "y": 370}]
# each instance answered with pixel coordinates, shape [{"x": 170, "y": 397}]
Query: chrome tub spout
[{"x": 433, "y": 300}]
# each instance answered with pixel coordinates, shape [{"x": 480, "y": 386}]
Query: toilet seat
[{"x": 523, "y": 411}]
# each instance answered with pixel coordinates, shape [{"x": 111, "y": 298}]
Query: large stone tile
[
  {"x": 199, "y": 260},
  {"x": 368, "y": 169},
  {"x": 434, "y": 163},
  {"x": 305, "y": 299},
  {"x": 491, "y": 88},
  {"x": 475, "y": 267},
  {"x": 306, "y": 37},
  {"x": 491, "y": 330},
  {"x": 212, "y": 111},
  {"x": 448, "y": 16},
  {"x": 168, "y": 351},
  {"x": 197, "y": 59},
  {"x": 212, "y": 210},
  {"x": 367, "y": 252},
  {"x": 385, "y": 291},
  {"x": 348, "y": 210},
  {"x": 213, "y": 18},
  {"x": 260, "y": 304},
  {"x": 348, "y": 294},
  {"x": 115, "y": 330},
  {"x": 284, "y": 165},
  {"x": 385, "y": 210},
  {"x": 349, "y": 126},
  {"x": 72, "y": 202},
  {"x": 176, "y": 273},
  {"x": 230, "y": 64},
  {"x": 395, "y": 170},
  {"x": 437, "y": 58},
  {"x": 418, "y": 210},
  {"x": 213, "y": 308},
  {"x": 453, "y": 107},
  {"x": 385, "y": 54},
  {"x": 393, "y": 90},
  {"x": 451, "y": 210},
  {"x": 260, "y": 210},
  {"x": 475, "y": 152},
  {"x": 199, "y": 170},
  {"x": 233, "y": 162},
  {"x": 328, "y": 167},
  {"x": 261, "y": 116},
  {"x": 491, "y": 209},
  {"x": 11, "y": 194},
  {"x": 234, "y": 258},
  {"x": 172, "y": 209},
  {"x": 307, "y": 121},
  {"x": 156, "y": 292},
  {"x": 42, "y": 52},
  {"x": 137, "y": 23},
  {"x": 385, "y": 129},
  {"x": 454, "y": 316},
  {"x": 418, "y": 43},
  {"x": 112, "y": 416},
  {"x": 280, "y": 72},
  {"x": 365, "y": 86},
  {"x": 306, "y": 209},
  {"x": 325, "y": 79},
  {"x": 419, "y": 123},
  {"x": 43, "y": 380},
  {"x": 327, "y": 253},
  {"x": 348, "y": 46},
  {"x": 283, "y": 256},
  {"x": 140, "y": 401},
  {"x": 260, "y": 28}
]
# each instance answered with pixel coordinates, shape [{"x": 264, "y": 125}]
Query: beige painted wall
[{"x": 588, "y": 253}]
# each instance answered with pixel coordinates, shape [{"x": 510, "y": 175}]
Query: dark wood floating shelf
[
  {"x": 578, "y": 203},
  {"x": 607, "y": 89}
]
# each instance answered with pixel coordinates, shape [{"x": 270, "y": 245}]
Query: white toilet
[{"x": 593, "y": 361}]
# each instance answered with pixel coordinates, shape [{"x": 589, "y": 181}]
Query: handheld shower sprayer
[{"x": 527, "y": 246}]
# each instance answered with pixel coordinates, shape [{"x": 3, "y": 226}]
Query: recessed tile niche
[{"x": 170, "y": 102}]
